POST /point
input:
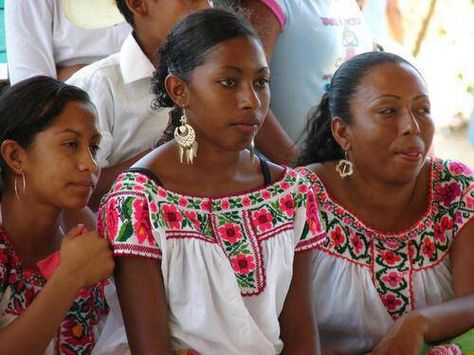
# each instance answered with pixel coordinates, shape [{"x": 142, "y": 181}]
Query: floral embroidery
[
  {"x": 76, "y": 333},
  {"x": 238, "y": 224},
  {"x": 392, "y": 258}
]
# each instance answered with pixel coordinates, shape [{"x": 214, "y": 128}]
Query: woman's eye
[
  {"x": 71, "y": 144},
  {"x": 262, "y": 82},
  {"x": 228, "y": 82},
  {"x": 388, "y": 111},
  {"x": 424, "y": 110},
  {"x": 94, "y": 148}
]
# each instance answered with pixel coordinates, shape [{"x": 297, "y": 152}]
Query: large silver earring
[
  {"x": 252, "y": 150},
  {"x": 186, "y": 139},
  {"x": 345, "y": 167},
  {"x": 23, "y": 179}
]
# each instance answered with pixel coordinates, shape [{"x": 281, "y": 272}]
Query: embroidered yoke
[
  {"x": 226, "y": 262},
  {"x": 373, "y": 278},
  {"x": 19, "y": 286}
]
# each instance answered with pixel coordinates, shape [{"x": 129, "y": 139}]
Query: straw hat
[{"x": 92, "y": 14}]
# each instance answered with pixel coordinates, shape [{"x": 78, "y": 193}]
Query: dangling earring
[
  {"x": 186, "y": 139},
  {"x": 252, "y": 150},
  {"x": 345, "y": 167},
  {"x": 16, "y": 187}
]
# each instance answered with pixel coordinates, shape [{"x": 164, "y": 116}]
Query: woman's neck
[{"x": 33, "y": 229}]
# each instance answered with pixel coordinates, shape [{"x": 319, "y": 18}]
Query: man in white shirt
[
  {"x": 120, "y": 87},
  {"x": 41, "y": 40}
]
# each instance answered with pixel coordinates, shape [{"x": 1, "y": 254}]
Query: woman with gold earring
[{"x": 207, "y": 240}]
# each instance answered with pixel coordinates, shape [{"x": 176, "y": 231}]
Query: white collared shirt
[
  {"x": 39, "y": 38},
  {"x": 120, "y": 88}
]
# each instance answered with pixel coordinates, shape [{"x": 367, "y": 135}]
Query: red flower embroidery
[
  {"x": 447, "y": 223},
  {"x": 182, "y": 202},
  {"x": 266, "y": 194},
  {"x": 112, "y": 220},
  {"x": 287, "y": 205},
  {"x": 391, "y": 302},
  {"x": 459, "y": 169},
  {"x": 428, "y": 247},
  {"x": 230, "y": 232},
  {"x": 141, "y": 222},
  {"x": 337, "y": 236},
  {"x": 225, "y": 205},
  {"x": 206, "y": 205},
  {"x": 393, "y": 279},
  {"x": 448, "y": 192},
  {"x": 140, "y": 179},
  {"x": 285, "y": 185},
  {"x": 439, "y": 232},
  {"x": 74, "y": 333},
  {"x": 357, "y": 244},
  {"x": 243, "y": 263},
  {"x": 172, "y": 216},
  {"x": 162, "y": 193},
  {"x": 312, "y": 217},
  {"x": 392, "y": 244},
  {"x": 262, "y": 220},
  {"x": 246, "y": 201},
  {"x": 192, "y": 216},
  {"x": 390, "y": 257}
]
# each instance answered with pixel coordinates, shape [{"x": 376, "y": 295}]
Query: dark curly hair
[
  {"x": 319, "y": 145},
  {"x": 187, "y": 47}
]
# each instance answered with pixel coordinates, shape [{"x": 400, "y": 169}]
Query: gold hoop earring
[
  {"x": 186, "y": 139},
  {"x": 23, "y": 179},
  {"x": 345, "y": 167}
]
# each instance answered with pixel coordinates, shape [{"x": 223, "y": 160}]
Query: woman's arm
[
  {"x": 85, "y": 260},
  {"x": 143, "y": 302},
  {"x": 298, "y": 321},
  {"x": 272, "y": 140}
]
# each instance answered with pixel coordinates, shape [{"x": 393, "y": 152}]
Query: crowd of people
[{"x": 253, "y": 181}]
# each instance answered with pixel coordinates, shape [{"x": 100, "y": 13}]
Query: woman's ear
[
  {"x": 13, "y": 154},
  {"x": 177, "y": 89},
  {"x": 137, "y": 7},
  {"x": 342, "y": 133}
]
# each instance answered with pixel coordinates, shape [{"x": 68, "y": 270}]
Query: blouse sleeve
[
  {"x": 463, "y": 185},
  {"x": 124, "y": 219},
  {"x": 307, "y": 223}
]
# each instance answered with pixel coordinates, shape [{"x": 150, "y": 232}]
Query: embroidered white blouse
[
  {"x": 226, "y": 262},
  {"x": 366, "y": 279}
]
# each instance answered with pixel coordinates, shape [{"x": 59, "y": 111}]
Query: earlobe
[
  {"x": 341, "y": 132},
  {"x": 12, "y": 154},
  {"x": 177, "y": 89}
]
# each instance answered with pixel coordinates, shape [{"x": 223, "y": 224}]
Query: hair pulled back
[
  {"x": 31, "y": 106},
  {"x": 188, "y": 45},
  {"x": 319, "y": 145}
]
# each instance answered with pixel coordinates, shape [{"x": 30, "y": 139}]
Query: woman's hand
[
  {"x": 85, "y": 256},
  {"x": 406, "y": 337}
]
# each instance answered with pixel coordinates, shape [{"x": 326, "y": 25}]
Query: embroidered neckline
[{"x": 341, "y": 210}]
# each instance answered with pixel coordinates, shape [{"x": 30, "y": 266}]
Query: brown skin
[
  {"x": 60, "y": 173},
  {"x": 152, "y": 22},
  {"x": 272, "y": 140},
  {"x": 226, "y": 101},
  {"x": 388, "y": 141}
]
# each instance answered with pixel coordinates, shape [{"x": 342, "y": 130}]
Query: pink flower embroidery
[
  {"x": 390, "y": 257},
  {"x": 285, "y": 185},
  {"x": 337, "y": 236},
  {"x": 172, "y": 216},
  {"x": 262, "y": 219},
  {"x": 303, "y": 188},
  {"x": 243, "y": 263},
  {"x": 182, "y": 202},
  {"x": 446, "y": 349},
  {"x": 428, "y": 248},
  {"x": 230, "y": 232},
  {"x": 287, "y": 205},
  {"x": 393, "y": 279},
  {"x": 470, "y": 202},
  {"x": 449, "y": 192},
  {"x": 141, "y": 222},
  {"x": 439, "y": 232},
  {"x": 140, "y": 179},
  {"x": 391, "y": 302},
  {"x": 225, "y": 204},
  {"x": 192, "y": 216},
  {"x": 246, "y": 201},
  {"x": 312, "y": 217},
  {"x": 111, "y": 217},
  {"x": 392, "y": 244},
  {"x": 206, "y": 205},
  {"x": 459, "y": 169},
  {"x": 357, "y": 244},
  {"x": 162, "y": 193},
  {"x": 266, "y": 194}
]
